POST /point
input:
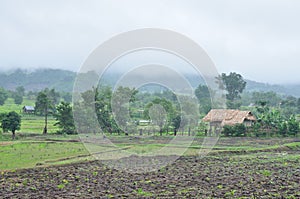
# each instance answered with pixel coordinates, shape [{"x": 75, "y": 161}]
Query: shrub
[{"x": 234, "y": 131}]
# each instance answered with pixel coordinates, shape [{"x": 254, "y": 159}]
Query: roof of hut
[
  {"x": 29, "y": 108},
  {"x": 228, "y": 116}
]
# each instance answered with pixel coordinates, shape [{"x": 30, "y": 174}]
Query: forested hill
[
  {"x": 292, "y": 89},
  {"x": 62, "y": 80}
]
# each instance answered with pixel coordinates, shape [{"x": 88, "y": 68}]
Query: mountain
[
  {"x": 293, "y": 89},
  {"x": 63, "y": 80}
]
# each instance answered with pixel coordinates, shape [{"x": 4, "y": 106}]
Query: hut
[
  {"x": 28, "y": 109},
  {"x": 218, "y": 118}
]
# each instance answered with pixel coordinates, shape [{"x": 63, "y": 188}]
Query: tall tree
[
  {"x": 234, "y": 84},
  {"x": 3, "y": 96},
  {"x": 42, "y": 106},
  {"x": 45, "y": 104},
  {"x": 121, "y": 100},
  {"x": 11, "y": 122},
  {"x": 203, "y": 95}
]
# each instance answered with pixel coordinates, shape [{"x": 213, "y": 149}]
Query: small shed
[
  {"x": 218, "y": 118},
  {"x": 28, "y": 109},
  {"x": 144, "y": 122}
]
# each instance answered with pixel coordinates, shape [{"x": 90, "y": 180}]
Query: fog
[{"x": 259, "y": 39}]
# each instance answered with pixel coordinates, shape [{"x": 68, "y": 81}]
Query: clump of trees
[
  {"x": 119, "y": 111},
  {"x": 272, "y": 122}
]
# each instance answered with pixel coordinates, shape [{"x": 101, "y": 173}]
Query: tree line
[{"x": 120, "y": 111}]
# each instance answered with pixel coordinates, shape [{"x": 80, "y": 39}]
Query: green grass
[
  {"x": 31, "y": 148},
  {"x": 15, "y": 155},
  {"x": 35, "y": 124},
  {"x": 293, "y": 145}
]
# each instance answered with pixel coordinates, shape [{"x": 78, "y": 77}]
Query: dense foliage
[{"x": 64, "y": 118}]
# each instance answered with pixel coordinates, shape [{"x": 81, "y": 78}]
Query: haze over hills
[{"x": 63, "y": 80}]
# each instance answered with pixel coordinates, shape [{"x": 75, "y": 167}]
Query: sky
[{"x": 259, "y": 39}]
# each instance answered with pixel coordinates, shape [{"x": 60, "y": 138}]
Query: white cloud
[{"x": 258, "y": 38}]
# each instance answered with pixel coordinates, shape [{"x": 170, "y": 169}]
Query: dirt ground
[{"x": 263, "y": 175}]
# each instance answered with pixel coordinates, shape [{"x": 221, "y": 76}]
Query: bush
[
  {"x": 293, "y": 126},
  {"x": 234, "y": 131}
]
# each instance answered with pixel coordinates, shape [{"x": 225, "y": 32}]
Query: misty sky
[{"x": 258, "y": 38}]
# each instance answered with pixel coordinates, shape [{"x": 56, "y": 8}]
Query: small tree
[
  {"x": 64, "y": 118},
  {"x": 11, "y": 122}
]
